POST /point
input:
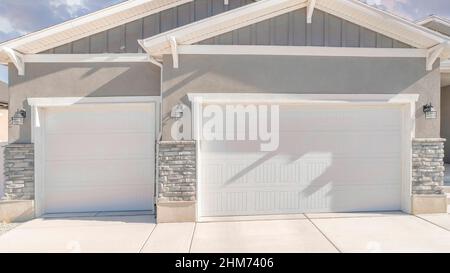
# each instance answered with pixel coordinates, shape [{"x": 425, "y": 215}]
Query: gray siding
[
  {"x": 77, "y": 80},
  {"x": 123, "y": 39},
  {"x": 291, "y": 29},
  {"x": 301, "y": 75}
]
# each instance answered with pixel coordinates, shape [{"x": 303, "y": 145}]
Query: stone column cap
[
  {"x": 19, "y": 145},
  {"x": 181, "y": 142},
  {"x": 429, "y": 139}
]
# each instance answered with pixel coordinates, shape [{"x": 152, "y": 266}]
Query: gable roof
[
  {"x": 436, "y": 23},
  {"x": 351, "y": 10},
  {"x": 434, "y": 18},
  {"x": 87, "y": 25}
]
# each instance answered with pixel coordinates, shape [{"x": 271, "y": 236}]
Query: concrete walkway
[{"x": 333, "y": 232}]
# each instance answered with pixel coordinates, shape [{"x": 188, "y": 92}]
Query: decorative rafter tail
[
  {"x": 310, "y": 10},
  {"x": 174, "y": 50},
  {"x": 16, "y": 58},
  {"x": 433, "y": 54}
]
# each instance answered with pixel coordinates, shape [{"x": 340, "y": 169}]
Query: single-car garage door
[
  {"x": 98, "y": 157},
  {"x": 336, "y": 158}
]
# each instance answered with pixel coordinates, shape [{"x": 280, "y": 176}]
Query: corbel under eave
[
  {"x": 174, "y": 50},
  {"x": 434, "y": 53},
  {"x": 16, "y": 58},
  {"x": 151, "y": 59},
  {"x": 310, "y": 10}
]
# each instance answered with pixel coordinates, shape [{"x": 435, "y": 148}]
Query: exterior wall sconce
[
  {"x": 430, "y": 112},
  {"x": 19, "y": 117},
  {"x": 177, "y": 111}
]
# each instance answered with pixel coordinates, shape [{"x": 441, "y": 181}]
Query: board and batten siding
[
  {"x": 291, "y": 29},
  {"x": 123, "y": 39}
]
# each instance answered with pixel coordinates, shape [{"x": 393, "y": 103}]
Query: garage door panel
[
  {"x": 99, "y": 157},
  {"x": 330, "y": 159},
  {"x": 339, "y": 118},
  {"x": 92, "y": 146},
  {"x": 96, "y": 171},
  {"x": 332, "y": 117},
  {"x": 340, "y": 143},
  {"x": 316, "y": 199},
  {"x": 100, "y": 118},
  {"x": 303, "y": 171},
  {"x": 84, "y": 199},
  {"x": 296, "y": 144}
]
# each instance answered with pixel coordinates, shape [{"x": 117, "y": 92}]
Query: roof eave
[
  {"x": 219, "y": 24},
  {"x": 35, "y": 42},
  {"x": 399, "y": 28}
]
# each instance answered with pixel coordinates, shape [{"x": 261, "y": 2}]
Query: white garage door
[
  {"x": 330, "y": 159},
  {"x": 99, "y": 157}
]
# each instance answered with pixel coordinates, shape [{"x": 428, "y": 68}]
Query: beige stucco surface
[
  {"x": 4, "y": 99},
  {"x": 3, "y": 125}
]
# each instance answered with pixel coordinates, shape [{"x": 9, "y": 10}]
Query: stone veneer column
[
  {"x": 428, "y": 176},
  {"x": 177, "y": 181},
  {"x": 19, "y": 172}
]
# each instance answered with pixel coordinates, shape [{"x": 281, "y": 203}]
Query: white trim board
[
  {"x": 230, "y": 50},
  {"x": 87, "y": 58},
  {"x": 67, "y": 101},
  {"x": 301, "y": 51},
  {"x": 434, "y": 18},
  {"x": 304, "y": 98}
]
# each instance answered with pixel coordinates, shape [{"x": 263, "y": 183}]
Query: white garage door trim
[
  {"x": 38, "y": 134},
  {"x": 406, "y": 103}
]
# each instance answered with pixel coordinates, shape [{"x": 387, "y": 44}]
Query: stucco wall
[
  {"x": 4, "y": 124},
  {"x": 77, "y": 80},
  {"x": 445, "y": 122},
  {"x": 302, "y": 75},
  {"x": 221, "y": 74}
]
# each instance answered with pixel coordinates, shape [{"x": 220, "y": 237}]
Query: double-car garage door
[
  {"x": 98, "y": 157},
  {"x": 330, "y": 159}
]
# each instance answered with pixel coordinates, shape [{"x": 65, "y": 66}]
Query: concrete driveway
[{"x": 133, "y": 232}]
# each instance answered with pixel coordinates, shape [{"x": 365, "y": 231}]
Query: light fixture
[
  {"x": 430, "y": 112},
  {"x": 19, "y": 117},
  {"x": 177, "y": 111}
]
